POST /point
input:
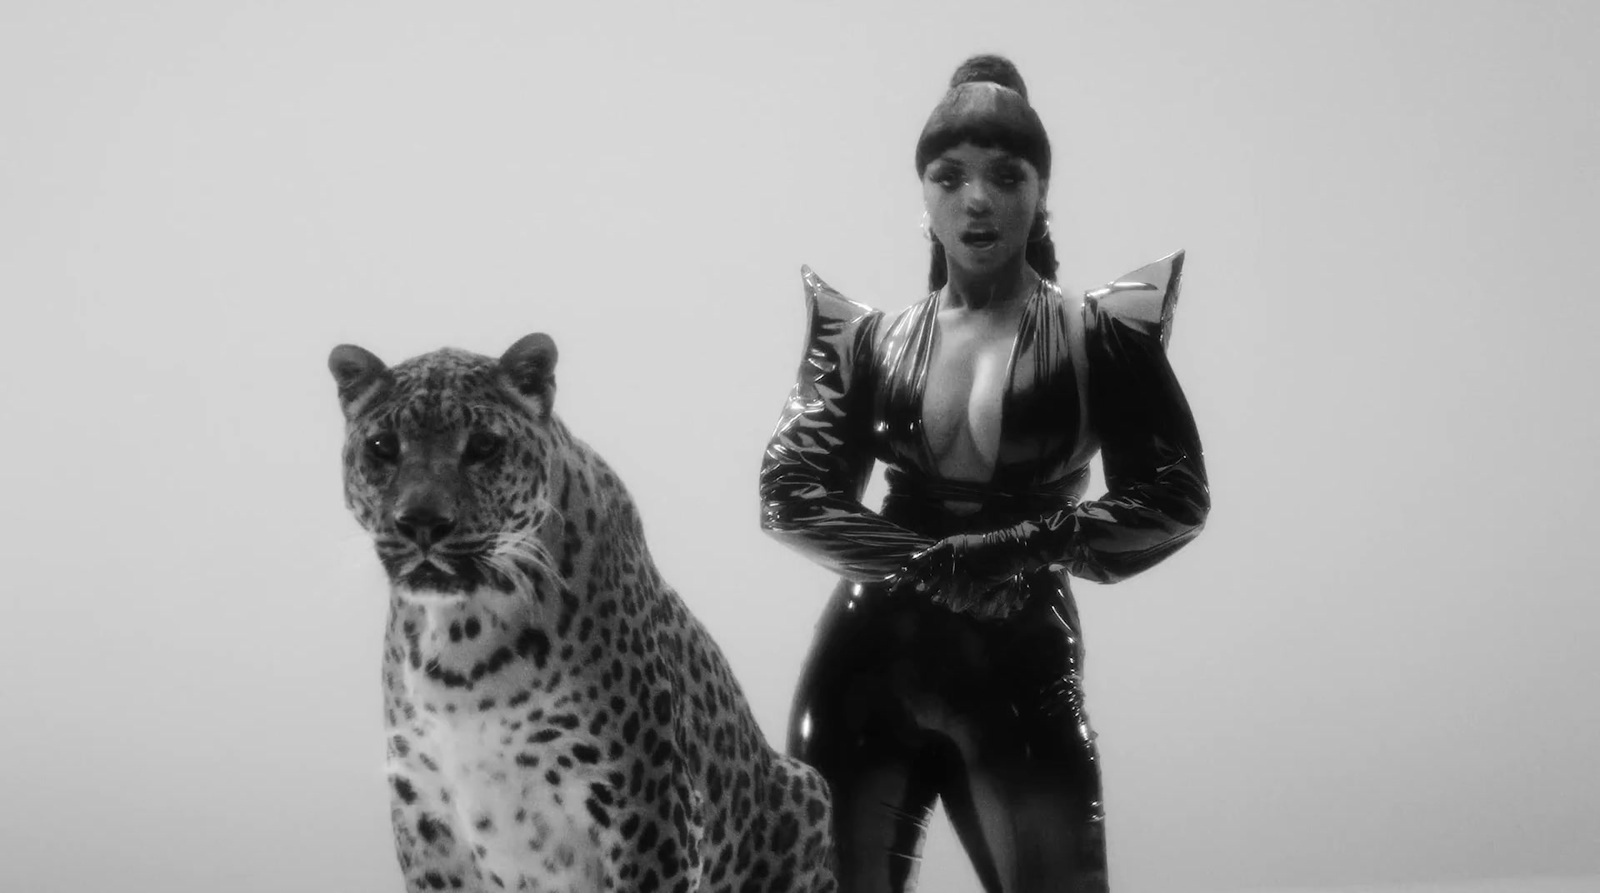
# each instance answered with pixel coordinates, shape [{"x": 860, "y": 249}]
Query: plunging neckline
[{"x": 927, "y": 340}]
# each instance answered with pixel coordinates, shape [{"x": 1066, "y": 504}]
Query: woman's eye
[
  {"x": 481, "y": 447},
  {"x": 384, "y": 447}
]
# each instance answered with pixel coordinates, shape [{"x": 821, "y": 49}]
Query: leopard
[{"x": 556, "y": 717}]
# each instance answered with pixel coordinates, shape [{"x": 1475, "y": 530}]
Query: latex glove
[{"x": 974, "y": 573}]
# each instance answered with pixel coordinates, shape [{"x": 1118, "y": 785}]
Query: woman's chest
[
  {"x": 965, "y": 385},
  {"x": 994, "y": 399}
]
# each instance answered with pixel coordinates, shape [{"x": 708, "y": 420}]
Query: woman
[{"x": 948, "y": 663}]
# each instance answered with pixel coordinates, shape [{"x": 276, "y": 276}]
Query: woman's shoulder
[
  {"x": 826, "y": 303},
  {"x": 840, "y": 333},
  {"x": 1142, "y": 301},
  {"x": 831, "y": 313}
]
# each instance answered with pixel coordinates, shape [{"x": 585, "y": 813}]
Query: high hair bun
[
  {"x": 997, "y": 116},
  {"x": 991, "y": 69}
]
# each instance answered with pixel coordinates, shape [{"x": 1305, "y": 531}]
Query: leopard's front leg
[
  {"x": 654, "y": 827},
  {"x": 433, "y": 851}
]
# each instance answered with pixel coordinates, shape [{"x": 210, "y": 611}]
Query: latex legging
[{"x": 903, "y": 703}]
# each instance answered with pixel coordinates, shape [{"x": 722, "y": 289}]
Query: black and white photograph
[{"x": 800, "y": 446}]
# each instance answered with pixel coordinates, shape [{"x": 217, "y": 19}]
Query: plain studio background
[{"x": 1375, "y": 667}]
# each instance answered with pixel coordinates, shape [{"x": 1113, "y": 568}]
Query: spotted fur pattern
[{"x": 556, "y": 717}]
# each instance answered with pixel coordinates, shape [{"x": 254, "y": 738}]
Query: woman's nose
[{"x": 977, "y": 198}]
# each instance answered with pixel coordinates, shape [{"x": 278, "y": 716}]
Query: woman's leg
[
  {"x": 882, "y": 801},
  {"x": 1026, "y": 799},
  {"x": 851, "y": 722}
]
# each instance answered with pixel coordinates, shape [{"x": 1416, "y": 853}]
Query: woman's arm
[
  {"x": 1157, "y": 497},
  {"x": 818, "y": 460}
]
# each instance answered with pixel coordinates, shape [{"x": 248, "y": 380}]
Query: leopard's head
[{"x": 446, "y": 463}]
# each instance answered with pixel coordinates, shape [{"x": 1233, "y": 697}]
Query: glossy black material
[{"x": 912, "y": 694}]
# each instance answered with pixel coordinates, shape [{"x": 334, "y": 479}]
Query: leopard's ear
[
  {"x": 528, "y": 369},
  {"x": 360, "y": 376}
]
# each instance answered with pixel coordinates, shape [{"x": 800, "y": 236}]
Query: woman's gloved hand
[{"x": 975, "y": 573}]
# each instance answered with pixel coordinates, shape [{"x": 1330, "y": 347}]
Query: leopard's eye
[
  {"x": 384, "y": 447},
  {"x": 481, "y": 447}
]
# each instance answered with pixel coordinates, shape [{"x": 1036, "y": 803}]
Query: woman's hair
[{"x": 989, "y": 118}]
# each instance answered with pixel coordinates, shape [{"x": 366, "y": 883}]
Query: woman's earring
[
  {"x": 927, "y": 232},
  {"x": 1045, "y": 217}
]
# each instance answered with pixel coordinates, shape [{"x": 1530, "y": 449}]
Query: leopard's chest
[
  {"x": 523, "y": 723},
  {"x": 515, "y": 757},
  {"x": 542, "y": 746},
  {"x": 530, "y": 787},
  {"x": 499, "y": 718}
]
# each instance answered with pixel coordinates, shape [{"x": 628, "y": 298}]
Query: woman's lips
[{"x": 980, "y": 240}]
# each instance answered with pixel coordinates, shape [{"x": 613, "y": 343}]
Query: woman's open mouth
[{"x": 980, "y": 239}]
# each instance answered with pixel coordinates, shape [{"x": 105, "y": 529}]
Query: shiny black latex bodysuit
[{"x": 902, "y": 701}]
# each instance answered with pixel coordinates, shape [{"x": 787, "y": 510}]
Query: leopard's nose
[{"x": 424, "y": 526}]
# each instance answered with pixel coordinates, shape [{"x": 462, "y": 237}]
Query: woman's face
[{"x": 981, "y": 206}]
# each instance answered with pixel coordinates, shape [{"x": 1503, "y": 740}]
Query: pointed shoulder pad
[
  {"x": 828, "y": 305},
  {"x": 839, "y": 333},
  {"x": 1144, "y": 299}
]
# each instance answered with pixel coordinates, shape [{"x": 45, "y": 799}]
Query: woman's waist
[
  {"x": 937, "y": 506},
  {"x": 883, "y": 627}
]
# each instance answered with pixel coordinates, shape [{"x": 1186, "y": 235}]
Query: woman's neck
[{"x": 994, "y": 291}]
